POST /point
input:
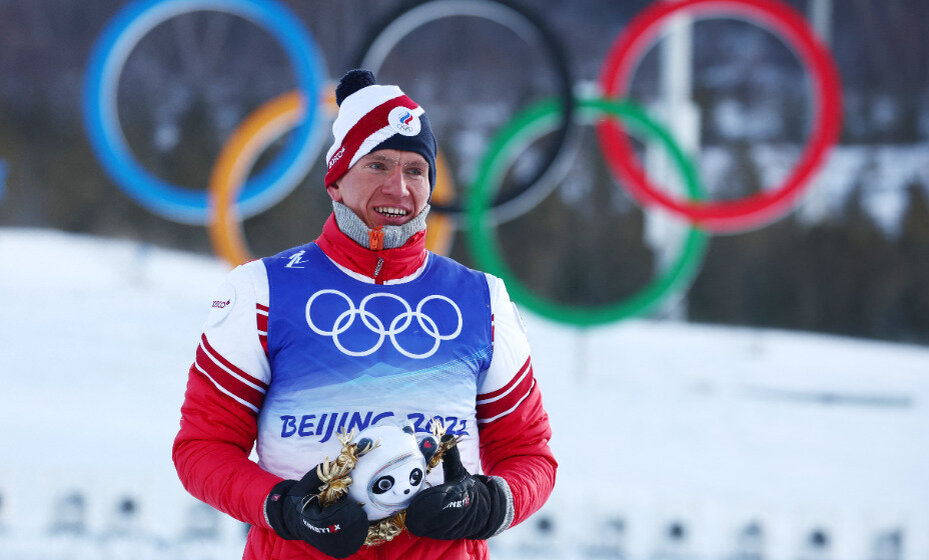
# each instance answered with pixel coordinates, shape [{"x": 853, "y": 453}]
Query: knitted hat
[{"x": 376, "y": 117}]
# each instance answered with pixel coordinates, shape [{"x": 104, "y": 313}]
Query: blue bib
[{"x": 346, "y": 354}]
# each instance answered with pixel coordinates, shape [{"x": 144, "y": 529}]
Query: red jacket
[{"x": 219, "y": 428}]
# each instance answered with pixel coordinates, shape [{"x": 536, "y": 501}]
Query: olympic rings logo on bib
[{"x": 397, "y": 325}]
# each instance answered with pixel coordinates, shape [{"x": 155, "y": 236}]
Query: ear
[
  {"x": 334, "y": 192},
  {"x": 428, "y": 446}
]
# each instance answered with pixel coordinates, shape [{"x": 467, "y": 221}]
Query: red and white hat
[{"x": 376, "y": 117}]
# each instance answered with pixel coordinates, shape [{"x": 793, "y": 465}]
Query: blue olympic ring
[{"x": 102, "y": 120}]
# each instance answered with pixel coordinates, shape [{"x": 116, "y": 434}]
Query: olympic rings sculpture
[
  {"x": 398, "y": 324},
  {"x": 233, "y": 198}
]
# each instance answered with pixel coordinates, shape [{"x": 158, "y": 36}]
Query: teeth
[{"x": 390, "y": 211}]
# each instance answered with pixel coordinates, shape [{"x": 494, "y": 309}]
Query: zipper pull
[
  {"x": 378, "y": 267},
  {"x": 376, "y": 238}
]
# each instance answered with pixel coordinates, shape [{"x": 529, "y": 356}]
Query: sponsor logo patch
[
  {"x": 222, "y": 305},
  {"x": 336, "y": 157},
  {"x": 463, "y": 503},
  {"x": 326, "y": 530}
]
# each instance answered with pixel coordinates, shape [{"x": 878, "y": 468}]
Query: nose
[
  {"x": 395, "y": 183},
  {"x": 407, "y": 491}
]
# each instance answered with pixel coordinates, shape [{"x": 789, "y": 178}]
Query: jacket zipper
[{"x": 377, "y": 268}]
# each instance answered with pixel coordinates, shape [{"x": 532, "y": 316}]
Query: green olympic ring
[{"x": 525, "y": 127}]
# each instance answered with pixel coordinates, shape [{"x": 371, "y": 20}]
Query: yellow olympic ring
[
  {"x": 440, "y": 228},
  {"x": 238, "y": 155}
]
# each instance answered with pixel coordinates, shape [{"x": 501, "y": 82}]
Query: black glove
[
  {"x": 463, "y": 507},
  {"x": 338, "y": 530}
]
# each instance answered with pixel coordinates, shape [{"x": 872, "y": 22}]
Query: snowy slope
[{"x": 653, "y": 421}]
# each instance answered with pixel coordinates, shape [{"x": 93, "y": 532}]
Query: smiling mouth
[{"x": 390, "y": 211}]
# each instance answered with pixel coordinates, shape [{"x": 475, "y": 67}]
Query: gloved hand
[
  {"x": 338, "y": 530},
  {"x": 465, "y": 506}
]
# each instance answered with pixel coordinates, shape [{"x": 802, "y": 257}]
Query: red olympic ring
[{"x": 751, "y": 211}]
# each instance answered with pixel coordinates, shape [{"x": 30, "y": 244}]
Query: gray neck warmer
[{"x": 394, "y": 236}]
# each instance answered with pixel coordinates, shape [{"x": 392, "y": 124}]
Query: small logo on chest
[{"x": 295, "y": 259}]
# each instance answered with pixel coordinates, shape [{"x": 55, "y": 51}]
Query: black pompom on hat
[{"x": 352, "y": 81}]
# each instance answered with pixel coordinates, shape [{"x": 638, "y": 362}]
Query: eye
[
  {"x": 383, "y": 484},
  {"x": 416, "y": 477},
  {"x": 364, "y": 443}
]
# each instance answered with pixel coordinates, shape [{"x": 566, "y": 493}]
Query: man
[{"x": 363, "y": 326}]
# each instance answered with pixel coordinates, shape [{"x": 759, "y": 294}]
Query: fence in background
[{"x": 56, "y": 517}]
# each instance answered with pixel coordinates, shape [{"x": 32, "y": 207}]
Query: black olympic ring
[{"x": 400, "y": 22}]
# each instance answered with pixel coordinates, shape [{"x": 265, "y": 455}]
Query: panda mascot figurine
[{"x": 386, "y": 477}]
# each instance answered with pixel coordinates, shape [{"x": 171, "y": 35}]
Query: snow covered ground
[{"x": 675, "y": 440}]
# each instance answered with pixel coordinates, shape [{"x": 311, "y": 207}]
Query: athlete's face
[{"x": 385, "y": 187}]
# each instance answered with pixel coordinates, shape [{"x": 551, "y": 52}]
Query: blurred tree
[{"x": 914, "y": 241}]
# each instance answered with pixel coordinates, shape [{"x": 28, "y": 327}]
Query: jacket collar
[{"x": 379, "y": 265}]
